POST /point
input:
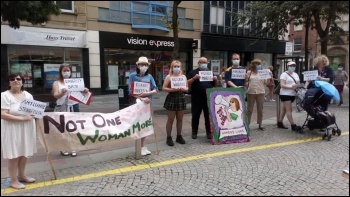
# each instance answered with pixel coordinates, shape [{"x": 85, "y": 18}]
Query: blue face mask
[
  {"x": 176, "y": 70},
  {"x": 292, "y": 69},
  {"x": 258, "y": 67},
  {"x": 204, "y": 66}
]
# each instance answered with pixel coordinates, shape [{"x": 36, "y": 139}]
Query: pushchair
[
  {"x": 299, "y": 98},
  {"x": 316, "y": 105}
]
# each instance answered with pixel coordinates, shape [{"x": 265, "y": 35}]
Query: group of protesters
[{"x": 18, "y": 132}]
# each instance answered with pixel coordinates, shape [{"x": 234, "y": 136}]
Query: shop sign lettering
[{"x": 157, "y": 43}]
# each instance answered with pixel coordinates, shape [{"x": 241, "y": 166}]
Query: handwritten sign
[
  {"x": 238, "y": 74},
  {"x": 74, "y": 84},
  {"x": 206, "y": 75},
  {"x": 34, "y": 107},
  {"x": 264, "y": 74},
  {"x": 80, "y": 97},
  {"x": 178, "y": 82},
  {"x": 139, "y": 87},
  {"x": 310, "y": 75}
]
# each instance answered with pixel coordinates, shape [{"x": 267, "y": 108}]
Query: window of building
[
  {"x": 343, "y": 22},
  {"x": 39, "y": 65},
  {"x": 66, "y": 6},
  {"x": 121, "y": 62},
  {"x": 297, "y": 44},
  {"x": 217, "y": 16},
  {"x": 298, "y": 28},
  {"x": 185, "y": 23}
]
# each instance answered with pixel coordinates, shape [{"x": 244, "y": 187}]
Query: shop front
[
  {"x": 37, "y": 54},
  {"x": 219, "y": 49},
  {"x": 119, "y": 53}
]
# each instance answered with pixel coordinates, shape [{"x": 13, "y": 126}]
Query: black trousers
[{"x": 199, "y": 103}]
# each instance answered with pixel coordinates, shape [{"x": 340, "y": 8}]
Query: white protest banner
[
  {"x": 264, "y": 74},
  {"x": 310, "y": 75},
  {"x": 237, "y": 73},
  {"x": 84, "y": 98},
  {"x": 206, "y": 75},
  {"x": 74, "y": 84},
  {"x": 178, "y": 82},
  {"x": 139, "y": 87},
  {"x": 28, "y": 106},
  {"x": 67, "y": 131}
]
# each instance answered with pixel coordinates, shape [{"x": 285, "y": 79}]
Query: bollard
[{"x": 138, "y": 149}]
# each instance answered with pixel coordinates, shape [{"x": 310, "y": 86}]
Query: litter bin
[{"x": 123, "y": 94}]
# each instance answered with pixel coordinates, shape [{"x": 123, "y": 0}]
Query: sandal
[
  {"x": 26, "y": 179},
  {"x": 262, "y": 128},
  {"x": 73, "y": 154},
  {"x": 19, "y": 186},
  {"x": 64, "y": 153}
]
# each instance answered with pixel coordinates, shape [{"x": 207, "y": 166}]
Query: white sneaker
[
  {"x": 265, "y": 98},
  {"x": 144, "y": 151},
  {"x": 272, "y": 100}
]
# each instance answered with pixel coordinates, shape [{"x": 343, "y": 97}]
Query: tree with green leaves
[
  {"x": 273, "y": 17},
  {"x": 35, "y": 12}
]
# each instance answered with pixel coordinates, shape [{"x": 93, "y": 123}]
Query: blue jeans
[{"x": 76, "y": 108}]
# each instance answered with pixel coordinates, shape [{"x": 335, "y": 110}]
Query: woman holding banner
[
  {"x": 18, "y": 132},
  {"x": 142, "y": 75},
  {"x": 175, "y": 84},
  {"x": 61, "y": 93}
]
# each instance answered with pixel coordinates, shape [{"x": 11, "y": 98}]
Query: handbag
[
  {"x": 63, "y": 107},
  {"x": 277, "y": 89}
]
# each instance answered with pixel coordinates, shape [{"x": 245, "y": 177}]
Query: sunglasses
[{"x": 18, "y": 79}]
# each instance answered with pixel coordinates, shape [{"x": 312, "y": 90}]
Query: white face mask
[
  {"x": 340, "y": 68},
  {"x": 66, "y": 74},
  {"x": 235, "y": 62},
  {"x": 258, "y": 67},
  {"x": 204, "y": 66},
  {"x": 176, "y": 70},
  {"x": 143, "y": 69},
  {"x": 292, "y": 69}
]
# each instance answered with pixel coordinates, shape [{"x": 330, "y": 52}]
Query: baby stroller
[
  {"x": 299, "y": 98},
  {"x": 316, "y": 105}
]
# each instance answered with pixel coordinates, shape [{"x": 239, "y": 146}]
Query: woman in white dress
[
  {"x": 61, "y": 93},
  {"x": 18, "y": 132}
]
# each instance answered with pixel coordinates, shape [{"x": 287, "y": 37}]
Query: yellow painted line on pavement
[{"x": 159, "y": 164}]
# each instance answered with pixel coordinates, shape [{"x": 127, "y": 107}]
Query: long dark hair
[{"x": 14, "y": 75}]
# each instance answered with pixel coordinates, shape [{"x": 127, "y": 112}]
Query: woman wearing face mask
[
  {"x": 61, "y": 93},
  {"x": 289, "y": 81},
  {"x": 255, "y": 91},
  {"x": 175, "y": 101},
  {"x": 142, "y": 75},
  {"x": 340, "y": 79}
]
